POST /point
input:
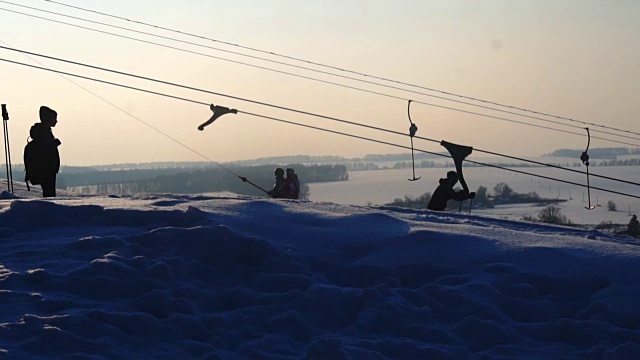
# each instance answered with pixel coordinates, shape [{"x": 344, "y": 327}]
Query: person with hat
[
  {"x": 444, "y": 192},
  {"x": 43, "y": 161}
]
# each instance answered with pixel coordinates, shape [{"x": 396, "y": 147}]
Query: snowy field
[
  {"x": 220, "y": 276},
  {"x": 382, "y": 187}
]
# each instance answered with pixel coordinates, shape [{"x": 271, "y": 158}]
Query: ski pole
[
  {"x": 7, "y": 148},
  {"x": 244, "y": 179}
]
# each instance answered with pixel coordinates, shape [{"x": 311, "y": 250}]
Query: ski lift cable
[
  {"x": 334, "y": 67},
  {"x": 285, "y": 64},
  {"x": 289, "y": 109},
  {"x": 433, "y": 153},
  {"x": 128, "y": 113},
  {"x": 304, "y": 125},
  {"x": 298, "y": 111},
  {"x": 324, "y": 72},
  {"x": 302, "y": 112},
  {"x": 341, "y": 85}
]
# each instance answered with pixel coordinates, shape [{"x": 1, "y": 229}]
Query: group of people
[
  {"x": 42, "y": 164},
  {"x": 285, "y": 187}
]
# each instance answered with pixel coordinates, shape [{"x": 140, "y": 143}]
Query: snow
[
  {"x": 382, "y": 187},
  {"x": 224, "y": 276}
]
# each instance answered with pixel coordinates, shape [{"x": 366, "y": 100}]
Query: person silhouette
[
  {"x": 291, "y": 185},
  {"x": 278, "y": 186},
  {"x": 45, "y": 157},
  {"x": 444, "y": 192}
]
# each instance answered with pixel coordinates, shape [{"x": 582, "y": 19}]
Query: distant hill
[
  {"x": 595, "y": 153},
  {"x": 308, "y": 159}
]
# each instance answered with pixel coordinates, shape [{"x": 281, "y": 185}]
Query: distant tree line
[
  {"x": 208, "y": 180},
  {"x": 86, "y": 175},
  {"x": 361, "y": 166},
  {"x": 449, "y": 164},
  {"x": 293, "y": 159},
  {"x": 596, "y": 153},
  {"x": 400, "y": 157},
  {"x": 502, "y": 194},
  {"x": 96, "y": 177},
  {"x": 627, "y": 162}
]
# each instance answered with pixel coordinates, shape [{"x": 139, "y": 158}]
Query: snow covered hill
[{"x": 221, "y": 276}]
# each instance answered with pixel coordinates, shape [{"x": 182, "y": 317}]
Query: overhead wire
[
  {"x": 438, "y": 154},
  {"x": 279, "y": 107},
  {"x": 333, "y": 67},
  {"x": 332, "y": 83},
  {"x": 322, "y": 129},
  {"x": 326, "y": 81},
  {"x": 329, "y": 118},
  {"x": 62, "y": 74},
  {"x": 284, "y": 108}
]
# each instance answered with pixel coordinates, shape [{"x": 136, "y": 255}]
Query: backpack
[{"x": 33, "y": 163}]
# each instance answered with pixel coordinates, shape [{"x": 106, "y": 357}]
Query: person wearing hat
[
  {"x": 444, "y": 192},
  {"x": 46, "y": 157},
  {"x": 278, "y": 186}
]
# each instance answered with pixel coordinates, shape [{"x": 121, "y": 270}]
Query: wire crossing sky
[
  {"x": 527, "y": 54},
  {"x": 449, "y": 108},
  {"x": 343, "y": 134},
  {"x": 499, "y": 109},
  {"x": 310, "y": 62}
]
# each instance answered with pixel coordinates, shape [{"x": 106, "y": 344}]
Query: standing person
[
  {"x": 41, "y": 156},
  {"x": 278, "y": 186},
  {"x": 444, "y": 192},
  {"x": 291, "y": 185}
]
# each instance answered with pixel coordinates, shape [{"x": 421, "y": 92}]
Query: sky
[
  {"x": 222, "y": 276},
  {"x": 573, "y": 59}
]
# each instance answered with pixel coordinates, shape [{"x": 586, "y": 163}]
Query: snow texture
[{"x": 223, "y": 276}]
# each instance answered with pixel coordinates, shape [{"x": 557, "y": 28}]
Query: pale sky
[{"x": 576, "y": 59}]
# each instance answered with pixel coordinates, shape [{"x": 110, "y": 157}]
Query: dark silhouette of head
[
  {"x": 452, "y": 176},
  {"x": 290, "y": 172},
  {"x": 279, "y": 172},
  {"x": 48, "y": 116}
]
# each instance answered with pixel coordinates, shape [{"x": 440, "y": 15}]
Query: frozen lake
[{"x": 383, "y": 186}]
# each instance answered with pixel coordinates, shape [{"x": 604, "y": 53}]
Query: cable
[
  {"x": 337, "y": 68},
  {"x": 301, "y": 67},
  {"x": 318, "y": 80},
  {"x": 128, "y": 113},
  {"x": 285, "y": 108},
  {"x": 304, "y": 113},
  {"x": 428, "y": 152},
  {"x": 290, "y": 109}
]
